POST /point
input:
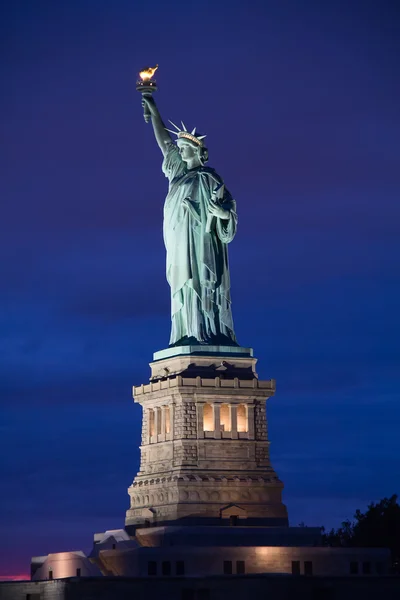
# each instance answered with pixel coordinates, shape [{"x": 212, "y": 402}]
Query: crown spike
[
  {"x": 170, "y": 131},
  {"x": 201, "y": 137},
  {"x": 176, "y": 126},
  {"x": 194, "y": 131},
  {"x": 183, "y": 125}
]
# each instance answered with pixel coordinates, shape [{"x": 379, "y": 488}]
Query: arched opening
[
  {"x": 167, "y": 419},
  {"x": 225, "y": 417},
  {"x": 151, "y": 422},
  {"x": 208, "y": 418},
  {"x": 158, "y": 420},
  {"x": 242, "y": 424}
]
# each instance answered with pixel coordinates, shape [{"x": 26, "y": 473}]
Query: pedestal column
[
  {"x": 200, "y": 419},
  {"x": 217, "y": 421},
  {"x": 233, "y": 410},
  {"x": 250, "y": 421}
]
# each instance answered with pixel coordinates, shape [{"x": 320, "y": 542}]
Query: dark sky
[{"x": 300, "y": 101}]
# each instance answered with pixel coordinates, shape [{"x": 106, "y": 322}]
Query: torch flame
[{"x": 147, "y": 73}]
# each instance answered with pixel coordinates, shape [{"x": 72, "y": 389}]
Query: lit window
[
  {"x": 242, "y": 418},
  {"x": 151, "y": 422},
  {"x": 208, "y": 418},
  {"x": 167, "y": 419},
  {"x": 158, "y": 421},
  {"x": 225, "y": 417}
]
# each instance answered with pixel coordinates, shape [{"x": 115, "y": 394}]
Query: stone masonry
[{"x": 205, "y": 449}]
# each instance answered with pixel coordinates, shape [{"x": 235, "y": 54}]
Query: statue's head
[
  {"x": 189, "y": 150},
  {"x": 190, "y": 145}
]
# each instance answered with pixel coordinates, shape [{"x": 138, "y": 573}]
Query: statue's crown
[{"x": 184, "y": 133}]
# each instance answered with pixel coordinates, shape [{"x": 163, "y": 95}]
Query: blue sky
[{"x": 300, "y": 104}]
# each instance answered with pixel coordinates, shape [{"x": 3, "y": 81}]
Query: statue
[{"x": 199, "y": 222}]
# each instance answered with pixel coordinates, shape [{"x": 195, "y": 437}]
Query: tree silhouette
[{"x": 378, "y": 527}]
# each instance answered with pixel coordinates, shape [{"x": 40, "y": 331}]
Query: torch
[{"x": 146, "y": 86}]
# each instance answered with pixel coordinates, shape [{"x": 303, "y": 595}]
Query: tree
[{"x": 378, "y": 527}]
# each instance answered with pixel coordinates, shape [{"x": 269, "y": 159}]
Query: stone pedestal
[{"x": 205, "y": 449}]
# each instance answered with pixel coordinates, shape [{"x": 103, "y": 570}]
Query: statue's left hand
[{"x": 217, "y": 211}]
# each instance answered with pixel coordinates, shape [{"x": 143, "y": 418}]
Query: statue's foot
[
  {"x": 186, "y": 341},
  {"x": 217, "y": 340}
]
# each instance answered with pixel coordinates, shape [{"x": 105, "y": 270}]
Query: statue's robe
[{"x": 197, "y": 254}]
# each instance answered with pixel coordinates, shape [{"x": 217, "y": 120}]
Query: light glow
[
  {"x": 151, "y": 422},
  {"x": 147, "y": 73},
  {"x": 225, "y": 418},
  {"x": 242, "y": 421},
  {"x": 167, "y": 419},
  {"x": 208, "y": 418},
  {"x": 159, "y": 422}
]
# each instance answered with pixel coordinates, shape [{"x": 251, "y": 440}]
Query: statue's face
[{"x": 187, "y": 150}]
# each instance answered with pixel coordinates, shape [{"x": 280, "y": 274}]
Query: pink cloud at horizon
[{"x": 20, "y": 577}]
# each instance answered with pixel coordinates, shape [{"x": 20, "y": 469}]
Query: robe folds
[{"x": 197, "y": 254}]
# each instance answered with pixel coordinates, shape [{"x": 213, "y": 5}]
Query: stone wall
[
  {"x": 260, "y": 417},
  {"x": 145, "y": 427},
  {"x": 37, "y": 590},
  {"x": 208, "y": 560},
  {"x": 185, "y": 426},
  {"x": 228, "y": 587},
  {"x": 262, "y": 454}
]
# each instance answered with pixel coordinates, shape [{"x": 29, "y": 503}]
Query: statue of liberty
[{"x": 199, "y": 222}]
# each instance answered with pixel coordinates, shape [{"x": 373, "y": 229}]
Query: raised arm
[{"x": 161, "y": 134}]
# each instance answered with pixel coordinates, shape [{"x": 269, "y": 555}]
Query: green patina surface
[{"x": 200, "y": 221}]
